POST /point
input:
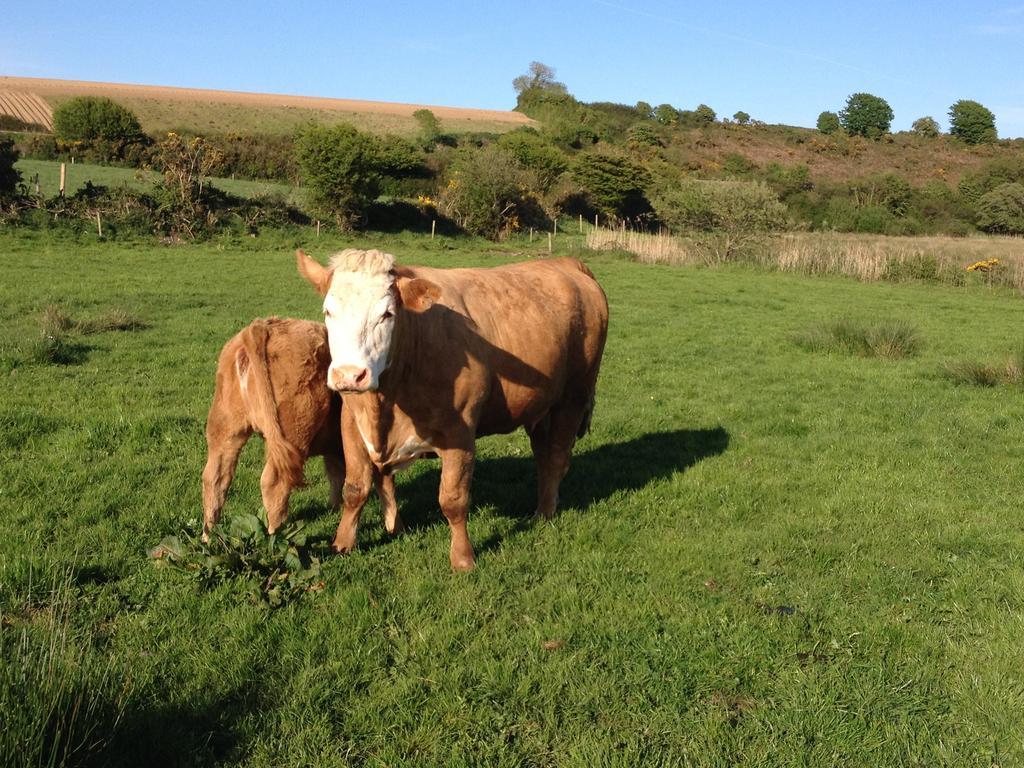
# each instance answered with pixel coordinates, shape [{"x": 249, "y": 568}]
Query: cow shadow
[{"x": 508, "y": 484}]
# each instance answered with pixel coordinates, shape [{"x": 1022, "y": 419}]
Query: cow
[
  {"x": 272, "y": 379},
  {"x": 427, "y": 360}
]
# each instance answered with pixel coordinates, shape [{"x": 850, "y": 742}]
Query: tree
[
  {"x": 644, "y": 110},
  {"x": 9, "y": 175},
  {"x": 341, "y": 168},
  {"x": 926, "y": 127},
  {"x": 971, "y": 122},
  {"x": 540, "y": 77},
  {"x": 741, "y": 117},
  {"x": 1002, "y": 210},
  {"x": 430, "y": 126},
  {"x": 866, "y": 115},
  {"x": 643, "y": 135},
  {"x": 614, "y": 185},
  {"x": 704, "y": 115},
  {"x": 94, "y": 118},
  {"x": 666, "y": 114},
  {"x": 828, "y": 122}
]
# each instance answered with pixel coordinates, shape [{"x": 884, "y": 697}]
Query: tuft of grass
[
  {"x": 112, "y": 320},
  {"x": 980, "y": 374},
  {"x": 889, "y": 339},
  {"x": 53, "y": 345}
]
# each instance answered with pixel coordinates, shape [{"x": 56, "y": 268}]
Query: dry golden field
[{"x": 165, "y": 108}]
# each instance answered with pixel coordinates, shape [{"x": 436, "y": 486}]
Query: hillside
[{"x": 162, "y": 108}]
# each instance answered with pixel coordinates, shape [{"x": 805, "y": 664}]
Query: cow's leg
[
  {"x": 335, "y": 471},
  {"x": 358, "y": 481},
  {"x": 456, "y": 477},
  {"x": 225, "y": 438},
  {"x": 388, "y": 503},
  {"x": 552, "y": 441}
]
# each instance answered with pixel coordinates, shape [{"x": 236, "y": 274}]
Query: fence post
[
  {"x": 531, "y": 234},
  {"x": 581, "y": 223},
  {"x": 63, "y": 176},
  {"x": 318, "y": 227},
  {"x": 595, "y": 221},
  {"x": 549, "y": 242},
  {"x": 433, "y": 227},
  {"x": 99, "y": 225}
]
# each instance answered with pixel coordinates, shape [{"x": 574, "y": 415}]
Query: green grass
[
  {"x": 763, "y": 556},
  {"x": 78, "y": 174}
]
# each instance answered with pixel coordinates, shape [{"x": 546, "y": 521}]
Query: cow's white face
[
  {"x": 363, "y": 295},
  {"x": 359, "y": 311}
]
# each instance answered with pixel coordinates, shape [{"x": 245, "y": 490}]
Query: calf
[
  {"x": 272, "y": 379},
  {"x": 430, "y": 359}
]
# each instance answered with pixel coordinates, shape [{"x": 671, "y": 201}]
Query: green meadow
[{"x": 768, "y": 552}]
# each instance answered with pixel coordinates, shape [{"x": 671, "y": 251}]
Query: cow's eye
[{"x": 388, "y": 314}]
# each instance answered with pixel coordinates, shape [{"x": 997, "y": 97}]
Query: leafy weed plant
[{"x": 276, "y": 568}]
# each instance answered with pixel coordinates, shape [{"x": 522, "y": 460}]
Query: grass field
[
  {"x": 78, "y": 174},
  {"x": 765, "y": 555}
]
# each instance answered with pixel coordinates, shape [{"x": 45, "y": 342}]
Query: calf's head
[{"x": 364, "y": 294}]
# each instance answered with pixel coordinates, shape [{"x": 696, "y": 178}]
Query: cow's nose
[{"x": 349, "y": 378}]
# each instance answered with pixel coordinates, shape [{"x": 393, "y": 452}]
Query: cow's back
[{"x": 517, "y": 338}]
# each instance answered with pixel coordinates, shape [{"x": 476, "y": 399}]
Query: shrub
[
  {"x": 866, "y": 115},
  {"x": 644, "y": 110},
  {"x": 341, "y": 167},
  {"x": 181, "y": 193},
  {"x": 741, "y": 117},
  {"x": 971, "y": 122},
  {"x": 926, "y": 127},
  {"x": 429, "y": 125},
  {"x": 533, "y": 151},
  {"x": 1002, "y": 210},
  {"x": 614, "y": 185},
  {"x": 643, "y": 135},
  {"x": 99, "y": 124},
  {"x": 828, "y": 122},
  {"x": 488, "y": 193},
  {"x": 9, "y": 175}
]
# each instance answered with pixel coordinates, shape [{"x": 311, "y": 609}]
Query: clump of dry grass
[
  {"x": 887, "y": 339},
  {"x": 112, "y": 320},
  {"x": 865, "y": 257},
  {"x": 1010, "y": 371}
]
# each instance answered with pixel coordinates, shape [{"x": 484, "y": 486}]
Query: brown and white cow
[
  {"x": 272, "y": 379},
  {"x": 427, "y": 360}
]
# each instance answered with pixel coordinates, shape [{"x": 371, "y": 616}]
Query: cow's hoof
[{"x": 463, "y": 565}]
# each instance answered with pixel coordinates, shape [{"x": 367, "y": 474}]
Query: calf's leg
[
  {"x": 358, "y": 481},
  {"x": 388, "y": 504},
  {"x": 225, "y": 438},
  {"x": 335, "y": 470}
]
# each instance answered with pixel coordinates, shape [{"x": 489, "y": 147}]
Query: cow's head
[{"x": 364, "y": 294}]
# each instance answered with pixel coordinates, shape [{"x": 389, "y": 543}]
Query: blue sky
[{"x": 782, "y": 63}]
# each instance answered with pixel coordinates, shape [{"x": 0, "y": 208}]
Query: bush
[
  {"x": 9, "y": 175},
  {"x": 704, "y": 115},
  {"x": 666, "y": 114},
  {"x": 341, "y": 167},
  {"x": 182, "y": 194},
  {"x": 828, "y": 122},
  {"x": 614, "y": 185},
  {"x": 99, "y": 124},
  {"x": 866, "y": 115},
  {"x": 1001, "y": 211},
  {"x": 741, "y": 117},
  {"x": 537, "y": 154},
  {"x": 643, "y": 135},
  {"x": 926, "y": 127},
  {"x": 429, "y": 125},
  {"x": 488, "y": 193},
  {"x": 971, "y": 122}
]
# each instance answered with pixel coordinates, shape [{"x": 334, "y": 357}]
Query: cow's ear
[
  {"x": 316, "y": 273},
  {"x": 417, "y": 294}
]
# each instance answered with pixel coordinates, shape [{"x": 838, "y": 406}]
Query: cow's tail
[
  {"x": 251, "y": 362},
  {"x": 588, "y": 414}
]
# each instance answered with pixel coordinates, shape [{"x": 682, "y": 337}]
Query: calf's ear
[
  {"x": 316, "y": 273},
  {"x": 417, "y": 294}
]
